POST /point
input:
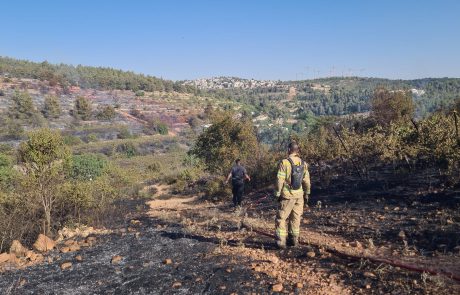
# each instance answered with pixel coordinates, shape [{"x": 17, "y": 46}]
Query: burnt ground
[
  {"x": 142, "y": 269},
  {"x": 212, "y": 252}
]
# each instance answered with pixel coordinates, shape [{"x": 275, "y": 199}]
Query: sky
[{"x": 267, "y": 39}]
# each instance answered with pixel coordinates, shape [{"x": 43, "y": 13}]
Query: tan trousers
[{"x": 288, "y": 218}]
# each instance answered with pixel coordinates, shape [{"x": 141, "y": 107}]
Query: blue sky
[{"x": 252, "y": 39}]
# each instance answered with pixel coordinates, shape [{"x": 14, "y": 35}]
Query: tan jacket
[{"x": 284, "y": 175}]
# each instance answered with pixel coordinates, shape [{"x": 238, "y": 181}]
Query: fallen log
[{"x": 392, "y": 262}]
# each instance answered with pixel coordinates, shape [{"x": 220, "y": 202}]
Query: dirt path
[{"x": 312, "y": 268}]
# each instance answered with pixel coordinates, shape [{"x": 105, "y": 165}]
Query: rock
[
  {"x": 368, "y": 286},
  {"x": 66, "y": 265},
  {"x": 277, "y": 288},
  {"x": 22, "y": 282},
  {"x": 70, "y": 242},
  {"x": 18, "y": 249},
  {"x": 74, "y": 247},
  {"x": 356, "y": 244},
  {"x": 177, "y": 285},
  {"x": 116, "y": 259},
  {"x": 64, "y": 249},
  {"x": 4, "y": 257},
  {"x": 85, "y": 244},
  {"x": 274, "y": 259},
  {"x": 39, "y": 258},
  {"x": 368, "y": 274},
  {"x": 31, "y": 255},
  {"x": 91, "y": 239},
  {"x": 228, "y": 270},
  {"x": 44, "y": 244},
  {"x": 222, "y": 287},
  {"x": 299, "y": 285},
  {"x": 79, "y": 258},
  {"x": 311, "y": 254},
  {"x": 167, "y": 261},
  {"x": 402, "y": 235},
  {"x": 135, "y": 222}
]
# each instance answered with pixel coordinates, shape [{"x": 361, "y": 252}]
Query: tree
[
  {"x": 391, "y": 106},
  {"x": 83, "y": 109},
  {"x": 22, "y": 108},
  {"x": 224, "y": 141},
  {"x": 51, "y": 107},
  {"x": 44, "y": 157},
  {"x": 106, "y": 112}
]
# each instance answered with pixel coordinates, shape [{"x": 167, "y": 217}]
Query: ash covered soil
[
  {"x": 152, "y": 262},
  {"x": 184, "y": 245}
]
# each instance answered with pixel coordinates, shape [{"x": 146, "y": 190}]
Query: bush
[
  {"x": 124, "y": 133},
  {"x": 128, "y": 149},
  {"x": 71, "y": 140},
  {"x": 83, "y": 108},
  {"x": 106, "y": 113},
  {"x": 22, "y": 109},
  {"x": 7, "y": 173},
  {"x": 51, "y": 107},
  {"x": 140, "y": 93},
  {"x": 92, "y": 137},
  {"x": 87, "y": 166}
]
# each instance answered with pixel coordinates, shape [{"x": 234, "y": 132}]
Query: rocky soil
[{"x": 185, "y": 245}]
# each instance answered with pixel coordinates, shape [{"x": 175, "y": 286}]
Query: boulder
[
  {"x": 311, "y": 254},
  {"x": 18, "y": 249},
  {"x": 4, "y": 257},
  {"x": 66, "y": 265},
  {"x": 8, "y": 258},
  {"x": 116, "y": 259},
  {"x": 277, "y": 288},
  {"x": 70, "y": 242},
  {"x": 44, "y": 244}
]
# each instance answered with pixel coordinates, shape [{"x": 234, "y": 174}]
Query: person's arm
[
  {"x": 281, "y": 178},
  {"x": 228, "y": 177},
  {"x": 306, "y": 185},
  {"x": 246, "y": 176}
]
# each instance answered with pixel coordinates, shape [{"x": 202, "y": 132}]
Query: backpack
[{"x": 297, "y": 172}]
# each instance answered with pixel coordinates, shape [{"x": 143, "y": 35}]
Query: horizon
[{"x": 267, "y": 40}]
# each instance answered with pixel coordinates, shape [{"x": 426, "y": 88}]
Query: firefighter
[
  {"x": 292, "y": 191},
  {"x": 238, "y": 175}
]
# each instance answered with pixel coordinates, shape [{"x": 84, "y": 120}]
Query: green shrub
[
  {"x": 83, "y": 109},
  {"x": 128, "y": 149},
  {"x": 44, "y": 157},
  {"x": 140, "y": 93},
  {"x": 106, "y": 113},
  {"x": 87, "y": 166},
  {"x": 124, "y": 133},
  {"x": 71, "y": 140},
  {"x": 7, "y": 173},
  {"x": 22, "y": 109},
  {"x": 51, "y": 107},
  {"x": 92, "y": 137}
]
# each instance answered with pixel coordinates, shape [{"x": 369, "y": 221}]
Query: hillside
[{"x": 126, "y": 182}]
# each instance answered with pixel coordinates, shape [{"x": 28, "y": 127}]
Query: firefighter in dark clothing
[{"x": 238, "y": 175}]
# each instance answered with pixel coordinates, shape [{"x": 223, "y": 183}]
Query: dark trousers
[{"x": 238, "y": 191}]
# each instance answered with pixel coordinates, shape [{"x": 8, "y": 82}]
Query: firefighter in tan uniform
[{"x": 292, "y": 190}]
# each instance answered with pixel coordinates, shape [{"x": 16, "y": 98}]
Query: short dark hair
[
  {"x": 237, "y": 161},
  {"x": 293, "y": 147}
]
